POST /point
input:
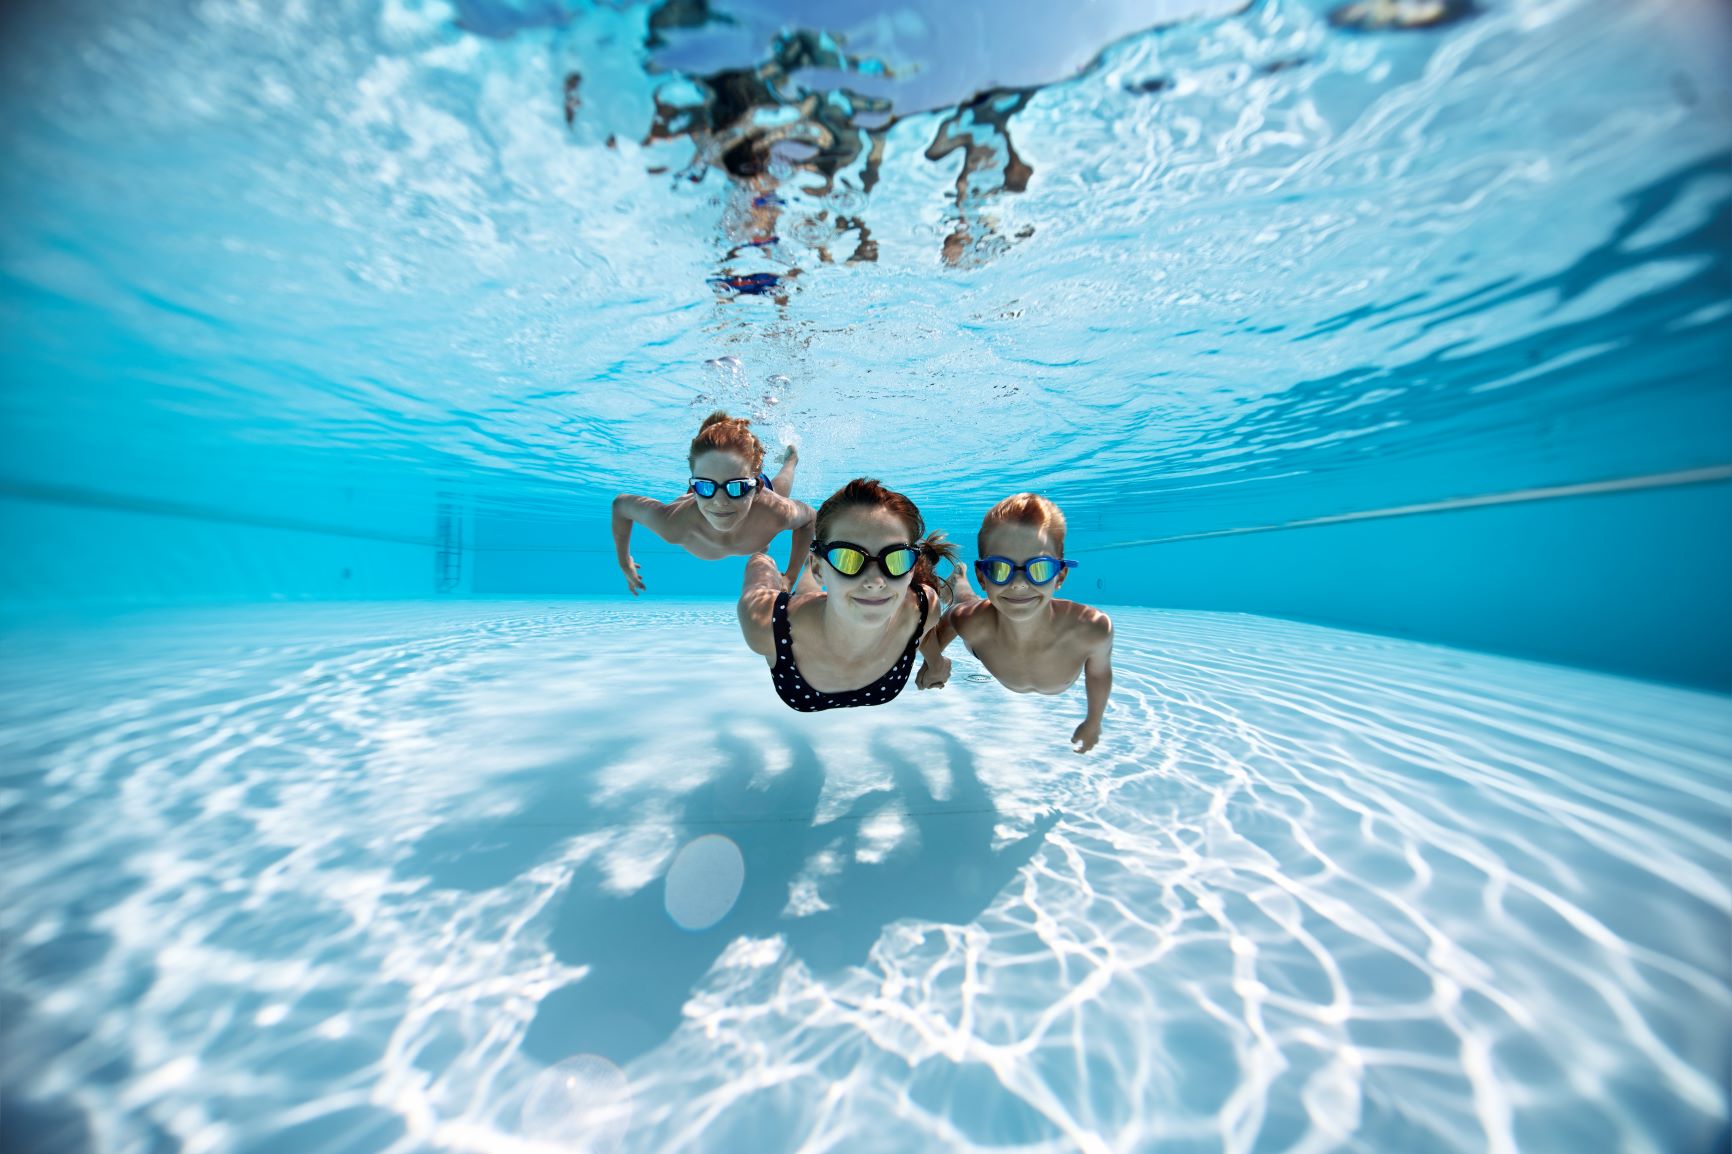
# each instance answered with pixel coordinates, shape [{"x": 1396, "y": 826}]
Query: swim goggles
[
  {"x": 1040, "y": 570},
  {"x": 850, "y": 559},
  {"x": 736, "y": 488}
]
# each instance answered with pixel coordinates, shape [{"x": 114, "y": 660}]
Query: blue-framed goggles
[{"x": 1039, "y": 570}]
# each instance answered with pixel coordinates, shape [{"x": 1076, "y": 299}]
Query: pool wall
[{"x": 1628, "y": 582}]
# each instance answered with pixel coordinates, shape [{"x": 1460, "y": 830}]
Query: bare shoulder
[
  {"x": 973, "y": 618},
  {"x": 1084, "y": 622},
  {"x": 934, "y": 607},
  {"x": 638, "y": 507},
  {"x": 787, "y": 511},
  {"x": 678, "y": 518},
  {"x": 756, "y": 611},
  {"x": 805, "y": 605}
]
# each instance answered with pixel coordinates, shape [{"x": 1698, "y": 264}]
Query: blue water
[{"x": 345, "y": 805}]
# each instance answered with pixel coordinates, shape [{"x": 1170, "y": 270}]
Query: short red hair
[
  {"x": 1025, "y": 509},
  {"x": 730, "y": 435}
]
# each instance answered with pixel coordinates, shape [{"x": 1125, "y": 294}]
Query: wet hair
[
  {"x": 729, "y": 435},
  {"x": 868, "y": 493},
  {"x": 1025, "y": 509}
]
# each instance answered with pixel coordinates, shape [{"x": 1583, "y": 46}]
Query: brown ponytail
[
  {"x": 730, "y": 435},
  {"x": 935, "y": 547}
]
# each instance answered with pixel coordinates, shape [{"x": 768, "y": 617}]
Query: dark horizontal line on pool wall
[
  {"x": 99, "y": 499},
  {"x": 1704, "y": 476}
]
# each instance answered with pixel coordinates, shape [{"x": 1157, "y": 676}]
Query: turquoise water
[{"x": 345, "y": 805}]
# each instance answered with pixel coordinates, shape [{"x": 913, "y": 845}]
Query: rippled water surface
[
  {"x": 1247, "y": 262},
  {"x": 491, "y": 877}
]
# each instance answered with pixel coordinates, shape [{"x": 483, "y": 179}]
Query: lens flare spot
[
  {"x": 704, "y": 882},
  {"x": 582, "y": 1103}
]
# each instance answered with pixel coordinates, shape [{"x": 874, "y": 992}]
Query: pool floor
[{"x": 566, "y": 875}]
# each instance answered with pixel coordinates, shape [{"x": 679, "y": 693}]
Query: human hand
[
  {"x": 633, "y": 576},
  {"x": 934, "y": 672},
  {"x": 1086, "y": 735}
]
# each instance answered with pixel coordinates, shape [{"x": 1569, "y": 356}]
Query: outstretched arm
[
  {"x": 1098, "y": 678},
  {"x": 805, "y": 527},
  {"x": 757, "y": 607},
  {"x": 934, "y": 666},
  {"x": 627, "y": 510}
]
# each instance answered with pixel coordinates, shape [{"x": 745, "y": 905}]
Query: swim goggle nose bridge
[
  {"x": 1040, "y": 570},
  {"x": 850, "y": 559},
  {"x": 736, "y": 488}
]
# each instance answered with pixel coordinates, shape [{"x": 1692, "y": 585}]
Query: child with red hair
[
  {"x": 1028, "y": 639},
  {"x": 729, "y": 508}
]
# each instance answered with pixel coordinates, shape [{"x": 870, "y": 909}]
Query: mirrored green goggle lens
[
  {"x": 849, "y": 562},
  {"x": 1040, "y": 571},
  {"x": 846, "y": 561}
]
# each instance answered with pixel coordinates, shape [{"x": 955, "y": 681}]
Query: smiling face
[
  {"x": 870, "y": 596},
  {"x": 1020, "y": 599},
  {"x": 722, "y": 512}
]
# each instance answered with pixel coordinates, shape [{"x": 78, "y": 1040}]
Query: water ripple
[{"x": 299, "y": 876}]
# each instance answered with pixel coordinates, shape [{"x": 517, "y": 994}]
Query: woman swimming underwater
[{"x": 853, "y": 642}]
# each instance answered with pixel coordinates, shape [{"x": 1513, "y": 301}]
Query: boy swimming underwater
[
  {"x": 729, "y": 508},
  {"x": 1027, "y": 639}
]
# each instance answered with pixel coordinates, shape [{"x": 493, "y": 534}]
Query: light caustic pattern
[{"x": 292, "y": 878}]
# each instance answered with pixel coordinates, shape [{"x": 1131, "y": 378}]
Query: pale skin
[
  {"x": 1027, "y": 638},
  {"x": 850, "y": 633},
  {"x": 720, "y": 526}
]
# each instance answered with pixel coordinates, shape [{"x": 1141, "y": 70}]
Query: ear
[{"x": 1062, "y": 575}]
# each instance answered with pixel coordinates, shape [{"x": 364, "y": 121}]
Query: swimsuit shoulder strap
[{"x": 781, "y": 632}]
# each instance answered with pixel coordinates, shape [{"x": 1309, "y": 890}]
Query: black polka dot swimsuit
[{"x": 793, "y": 690}]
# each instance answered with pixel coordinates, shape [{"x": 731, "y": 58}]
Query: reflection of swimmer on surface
[
  {"x": 852, "y": 642},
  {"x": 1400, "y": 15},
  {"x": 729, "y": 509},
  {"x": 981, "y": 128},
  {"x": 751, "y": 284},
  {"x": 1028, "y": 640}
]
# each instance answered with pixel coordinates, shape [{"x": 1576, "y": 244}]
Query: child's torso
[
  {"x": 1048, "y": 662},
  {"x": 690, "y": 531}
]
